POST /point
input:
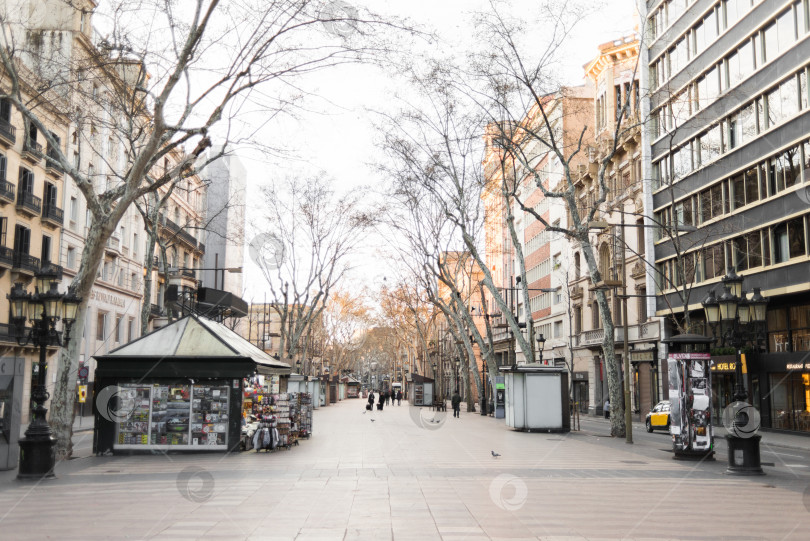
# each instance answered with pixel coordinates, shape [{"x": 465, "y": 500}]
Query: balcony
[
  {"x": 6, "y": 257},
  {"x": 25, "y": 264},
  {"x": 7, "y": 333},
  {"x": 189, "y": 273},
  {"x": 32, "y": 151},
  {"x": 52, "y": 216},
  {"x": 592, "y": 338},
  {"x": 201, "y": 247},
  {"x": 114, "y": 244},
  {"x": 29, "y": 203},
  {"x": 8, "y": 134},
  {"x": 155, "y": 310},
  {"x": 644, "y": 332},
  {"x": 52, "y": 166},
  {"x": 6, "y": 192}
]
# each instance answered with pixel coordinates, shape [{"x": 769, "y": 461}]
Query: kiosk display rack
[{"x": 173, "y": 416}]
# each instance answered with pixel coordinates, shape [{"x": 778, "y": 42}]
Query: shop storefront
[
  {"x": 181, "y": 387},
  {"x": 644, "y": 374},
  {"x": 581, "y": 391},
  {"x": 780, "y": 385}
]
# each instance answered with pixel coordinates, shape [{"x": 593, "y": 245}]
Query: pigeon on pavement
[
  {"x": 373, "y": 420},
  {"x": 494, "y": 454}
]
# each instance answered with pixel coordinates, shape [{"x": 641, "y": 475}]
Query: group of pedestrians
[{"x": 384, "y": 398}]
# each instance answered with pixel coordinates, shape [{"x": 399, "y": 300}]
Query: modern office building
[
  {"x": 728, "y": 144},
  {"x": 224, "y": 220}
]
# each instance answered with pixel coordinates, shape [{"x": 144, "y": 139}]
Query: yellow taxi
[{"x": 658, "y": 417}]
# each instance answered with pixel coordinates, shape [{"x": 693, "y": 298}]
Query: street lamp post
[
  {"x": 541, "y": 342},
  {"x": 44, "y": 309},
  {"x": 738, "y": 321}
]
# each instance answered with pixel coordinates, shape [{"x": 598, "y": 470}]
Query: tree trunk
[{"x": 64, "y": 393}]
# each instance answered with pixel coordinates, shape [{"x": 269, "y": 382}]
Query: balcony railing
[
  {"x": 28, "y": 201},
  {"x": 31, "y": 149},
  {"x": 155, "y": 310},
  {"x": 8, "y": 132},
  {"x": 644, "y": 332},
  {"x": 25, "y": 262},
  {"x": 114, "y": 243},
  {"x": 53, "y": 214},
  {"x": 6, "y": 191},
  {"x": 190, "y": 273},
  {"x": 7, "y": 333},
  {"x": 6, "y": 256},
  {"x": 52, "y": 163}
]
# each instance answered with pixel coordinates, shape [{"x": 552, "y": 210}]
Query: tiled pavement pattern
[{"x": 402, "y": 478}]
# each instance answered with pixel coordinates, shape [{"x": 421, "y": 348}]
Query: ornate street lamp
[
  {"x": 737, "y": 320},
  {"x": 43, "y": 309},
  {"x": 541, "y": 342}
]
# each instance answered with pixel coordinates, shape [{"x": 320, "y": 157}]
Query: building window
[
  {"x": 577, "y": 319},
  {"x": 131, "y": 329},
  {"x": 596, "y": 320},
  {"x": 642, "y": 305},
  {"x": 71, "y": 257},
  {"x": 46, "y": 250},
  {"x": 22, "y": 240},
  {"x": 101, "y": 326},
  {"x": 74, "y": 211},
  {"x": 3, "y": 230},
  {"x": 119, "y": 329},
  {"x": 577, "y": 266}
]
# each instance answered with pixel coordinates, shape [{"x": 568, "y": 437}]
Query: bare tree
[
  {"x": 311, "y": 236},
  {"x": 161, "y": 81}
]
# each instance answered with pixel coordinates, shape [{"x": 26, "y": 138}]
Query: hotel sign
[
  {"x": 797, "y": 366},
  {"x": 107, "y": 298}
]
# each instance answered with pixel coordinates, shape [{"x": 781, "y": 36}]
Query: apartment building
[
  {"x": 179, "y": 245},
  {"x": 224, "y": 222},
  {"x": 729, "y": 151},
  {"x": 621, "y": 243},
  {"x": 31, "y": 212}
]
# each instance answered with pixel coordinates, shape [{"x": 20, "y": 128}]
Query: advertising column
[{"x": 690, "y": 398}]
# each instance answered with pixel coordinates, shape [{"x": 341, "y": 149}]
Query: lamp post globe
[{"x": 43, "y": 309}]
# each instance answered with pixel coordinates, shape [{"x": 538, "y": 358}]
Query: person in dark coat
[
  {"x": 381, "y": 402},
  {"x": 399, "y": 398},
  {"x": 456, "y": 401},
  {"x": 371, "y": 399}
]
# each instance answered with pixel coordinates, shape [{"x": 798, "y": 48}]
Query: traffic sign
[
  {"x": 82, "y": 394},
  {"x": 84, "y": 372}
]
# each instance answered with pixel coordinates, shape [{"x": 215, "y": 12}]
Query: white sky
[{"x": 337, "y": 137}]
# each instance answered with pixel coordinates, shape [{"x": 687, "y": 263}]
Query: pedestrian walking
[
  {"x": 399, "y": 398},
  {"x": 370, "y": 400},
  {"x": 381, "y": 401},
  {"x": 607, "y": 408},
  {"x": 456, "y": 401},
  {"x": 387, "y": 397}
]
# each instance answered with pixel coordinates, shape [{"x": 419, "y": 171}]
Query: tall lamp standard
[
  {"x": 739, "y": 321},
  {"x": 434, "y": 381},
  {"x": 541, "y": 342},
  {"x": 44, "y": 309}
]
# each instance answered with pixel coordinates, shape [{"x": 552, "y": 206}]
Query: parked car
[{"x": 658, "y": 417}]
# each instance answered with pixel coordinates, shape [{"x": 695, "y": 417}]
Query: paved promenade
[{"x": 410, "y": 474}]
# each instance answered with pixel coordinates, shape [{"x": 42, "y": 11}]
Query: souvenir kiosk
[{"x": 178, "y": 388}]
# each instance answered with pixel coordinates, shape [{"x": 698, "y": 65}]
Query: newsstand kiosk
[{"x": 178, "y": 388}]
